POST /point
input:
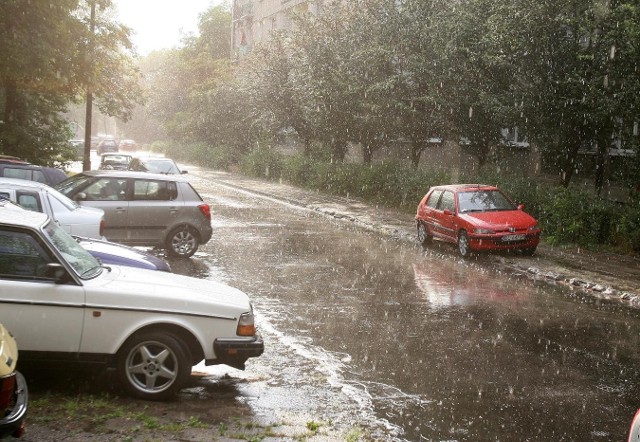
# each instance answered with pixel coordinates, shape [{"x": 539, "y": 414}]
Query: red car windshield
[{"x": 483, "y": 201}]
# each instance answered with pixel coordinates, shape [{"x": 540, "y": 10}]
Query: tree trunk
[
  {"x": 416, "y": 151},
  {"x": 603, "y": 163},
  {"x": 338, "y": 150},
  {"x": 10, "y": 118},
  {"x": 307, "y": 147},
  {"x": 367, "y": 154},
  {"x": 567, "y": 168}
]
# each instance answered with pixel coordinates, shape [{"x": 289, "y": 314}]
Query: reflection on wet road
[{"x": 414, "y": 345}]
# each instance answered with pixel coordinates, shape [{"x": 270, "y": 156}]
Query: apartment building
[{"x": 254, "y": 20}]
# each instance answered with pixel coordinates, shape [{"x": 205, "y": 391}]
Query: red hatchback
[{"x": 476, "y": 217}]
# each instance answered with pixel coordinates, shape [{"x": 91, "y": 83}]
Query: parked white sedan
[
  {"x": 153, "y": 327},
  {"x": 77, "y": 220}
]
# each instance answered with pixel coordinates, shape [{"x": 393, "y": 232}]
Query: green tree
[
  {"x": 576, "y": 79},
  {"x": 321, "y": 81},
  {"x": 186, "y": 82},
  {"x": 46, "y": 65},
  {"x": 473, "y": 80},
  {"x": 268, "y": 76},
  {"x": 424, "y": 110}
]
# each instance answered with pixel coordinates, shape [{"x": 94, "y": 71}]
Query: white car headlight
[
  {"x": 246, "y": 325},
  {"x": 484, "y": 231}
]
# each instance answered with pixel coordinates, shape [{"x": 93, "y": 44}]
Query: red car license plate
[{"x": 517, "y": 237}]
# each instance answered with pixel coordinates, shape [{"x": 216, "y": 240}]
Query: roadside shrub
[
  {"x": 565, "y": 215},
  {"x": 297, "y": 170},
  {"x": 571, "y": 216},
  {"x": 216, "y": 157},
  {"x": 262, "y": 162},
  {"x": 628, "y": 229},
  {"x": 163, "y": 147}
]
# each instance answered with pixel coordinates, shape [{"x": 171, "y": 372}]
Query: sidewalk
[{"x": 603, "y": 275}]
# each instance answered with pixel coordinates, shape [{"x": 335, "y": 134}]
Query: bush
[
  {"x": 262, "y": 162},
  {"x": 219, "y": 157},
  {"x": 628, "y": 229}
]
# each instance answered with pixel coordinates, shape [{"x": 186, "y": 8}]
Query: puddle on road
[{"x": 298, "y": 382}]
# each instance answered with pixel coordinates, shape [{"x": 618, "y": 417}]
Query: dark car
[
  {"x": 145, "y": 209},
  {"x": 476, "y": 217},
  {"x": 117, "y": 254},
  {"x": 11, "y": 167},
  {"x": 156, "y": 165},
  {"x": 107, "y": 145},
  {"x": 13, "y": 388},
  {"x": 114, "y": 161}
]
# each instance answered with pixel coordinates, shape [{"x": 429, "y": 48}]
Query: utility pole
[{"x": 86, "y": 161}]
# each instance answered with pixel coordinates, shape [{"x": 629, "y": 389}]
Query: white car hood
[{"x": 124, "y": 287}]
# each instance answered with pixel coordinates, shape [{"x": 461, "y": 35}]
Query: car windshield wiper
[{"x": 94, "y": 270}]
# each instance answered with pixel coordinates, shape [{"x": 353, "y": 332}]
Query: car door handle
[{"x": 121, "y": 209}]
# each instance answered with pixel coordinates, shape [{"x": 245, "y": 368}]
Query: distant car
[
  {"x": 38, "y": 197},
  {"x": 62, "y": 305},
  {"x": 110, "y": 253},
  {"x": 145, "y": 209},
  {"x": 12, "y": 167},
  {"x": 14, "y": 396},
  {"x": 128, "y": 145},
  {"x": 477, "y": 218},
  {"x": 117, "y": 161},
  {"x": 107, "y": 145},
  {"x": 156, "y": 165}
]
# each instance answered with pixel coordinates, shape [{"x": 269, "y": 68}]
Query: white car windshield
[{"x": 85, "y": 265}]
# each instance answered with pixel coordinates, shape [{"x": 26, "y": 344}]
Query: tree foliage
[
  {"x": 373, "y": 72},
  {"x": 49, "y": 58}
]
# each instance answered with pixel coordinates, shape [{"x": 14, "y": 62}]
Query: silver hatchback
[{"x": 145, "y": 209}]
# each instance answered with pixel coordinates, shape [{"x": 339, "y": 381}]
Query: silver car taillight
[{"x": 206, "y": 210}]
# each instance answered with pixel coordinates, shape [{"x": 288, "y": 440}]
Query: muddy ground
[{"x": 82, "y": 406}]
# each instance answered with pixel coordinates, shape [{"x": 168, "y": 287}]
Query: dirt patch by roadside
[{"x": 83, "y": 406}]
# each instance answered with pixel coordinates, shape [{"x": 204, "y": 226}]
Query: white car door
[
  {"x": 73, "y": 218},
  {"x": 42, "y": 315},
  {"x": 110, "y": 195}
]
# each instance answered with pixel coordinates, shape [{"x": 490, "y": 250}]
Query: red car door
[{"x": 446, "y": 224}]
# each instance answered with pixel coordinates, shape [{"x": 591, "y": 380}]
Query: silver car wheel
[
  {"x": 423, "y": 236},
  {"x": 463, "y": 244},
  {"x": 183, "y": 243}
]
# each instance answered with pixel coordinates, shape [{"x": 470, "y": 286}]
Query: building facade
[{"x": 254, "y": 20}]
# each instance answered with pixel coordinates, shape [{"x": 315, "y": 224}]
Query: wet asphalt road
[{"x": 365, "y": 330}]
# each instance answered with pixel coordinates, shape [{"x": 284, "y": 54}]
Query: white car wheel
[{"x": 154, "y": 366}]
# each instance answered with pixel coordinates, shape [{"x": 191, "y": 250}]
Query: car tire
[
  {"x": 154, "y": 366},
  {"x": 464, "y": 248},
  {"x": 529, "y": 251},
  {"x": 182, "y": 242},
  {"x": 424, "y": 238}
]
